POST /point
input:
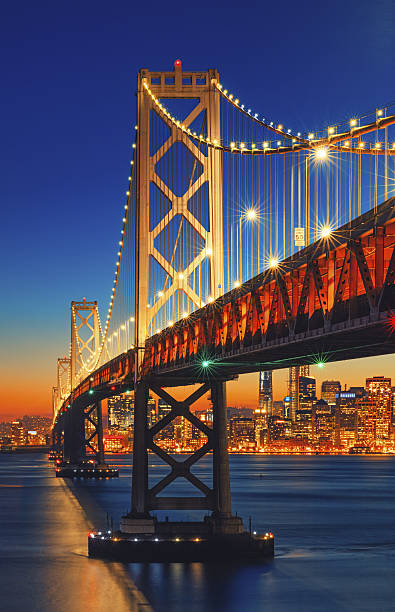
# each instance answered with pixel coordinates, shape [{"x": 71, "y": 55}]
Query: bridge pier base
[
  {"x": 216, "y": 499},
  {"x": 81, "y": 427}
]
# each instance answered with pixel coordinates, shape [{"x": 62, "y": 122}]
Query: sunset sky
[{"x": 68, "y": 111}]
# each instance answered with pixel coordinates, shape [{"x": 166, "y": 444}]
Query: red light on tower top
[{"x": 177, "y": 64}]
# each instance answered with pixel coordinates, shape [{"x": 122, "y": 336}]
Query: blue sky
[{"x": 68, "y": 110}]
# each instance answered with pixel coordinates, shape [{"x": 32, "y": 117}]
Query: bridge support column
[
  {"x": 77, "y": 433},
  {"x": 221, "y": 481},
  {"x": 140, "y": 460},
  {"x": 100, "y": 443},
  {"x": 67, "y": 437},
  {"x": 223, "y": 522},
  {"x": 139, "y": 520}
]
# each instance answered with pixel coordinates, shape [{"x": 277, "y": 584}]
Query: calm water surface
[
  {"x": 334, "y": 522},
  {"x": 333, "y": 518},
  {"x": 43, "y": 562}
]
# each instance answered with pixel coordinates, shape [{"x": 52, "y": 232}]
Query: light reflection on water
[
  {"x": 333, "y": 518},
  {"x": 43, "y": 563}
]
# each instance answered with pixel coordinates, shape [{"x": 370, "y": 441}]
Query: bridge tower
[
  {"x": 199, "y": 89},
  {"x": 82, "y": 427},
  {"x": 85, "y": 338},
  {"x": 64, "y": 377},
  {"x": 204, "y": 173}
]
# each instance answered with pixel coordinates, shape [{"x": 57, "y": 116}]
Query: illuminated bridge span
[{"x": 245, "y": 245}]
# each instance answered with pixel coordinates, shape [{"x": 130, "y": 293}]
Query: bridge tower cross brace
[
  {"x": 85, "y": 339},
  {"x": 176, "y": 85}
]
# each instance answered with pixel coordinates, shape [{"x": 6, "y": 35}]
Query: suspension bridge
[{"x": 245, "y": 245}]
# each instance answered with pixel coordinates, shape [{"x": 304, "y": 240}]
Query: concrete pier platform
[
  {"x": 194, "y": 542},
  {"x": 85, "y": 470}
]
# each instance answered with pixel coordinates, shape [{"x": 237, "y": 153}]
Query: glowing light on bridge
[
  {"x": 321, "y": 153},
  {"x": 273, "y": 263},
  {"x": 326, "y": 231},
  {"x": 390, "y": 322}
]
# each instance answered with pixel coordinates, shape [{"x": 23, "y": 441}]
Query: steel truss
[
  {"x": 327, "y": 285},
  {"x": 217, "y": 498},
  {"x": 81, "y": 426}
]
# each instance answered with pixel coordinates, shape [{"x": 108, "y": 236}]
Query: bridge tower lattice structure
[
  {"x": 86, "y": 339},
  {"x": 164, "y": 237}
]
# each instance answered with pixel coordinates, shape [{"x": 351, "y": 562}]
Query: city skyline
[{"x": 248, "y": 394}]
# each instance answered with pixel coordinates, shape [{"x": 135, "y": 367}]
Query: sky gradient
[{"x": 68, "y": 111}]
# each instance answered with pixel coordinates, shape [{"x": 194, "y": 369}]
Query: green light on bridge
[
  {"x": 206, "y": 364},
  {"x": 91, "y": 391},
  {"x": 320, "y": 364}
]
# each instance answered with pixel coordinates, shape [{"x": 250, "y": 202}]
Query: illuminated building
[
  {"x": 279, "y": 428},
  {"x": 182, "y": 431},
  {"x": 295, "y": 373},
  {"x": 366, "y": 422},
  {"x": 40, "y": 424},
  {"x": 163, "y": 410},
  {"x": 307, "y": 395},
  {"x": 260, "y": 416},
  {"x": 33, "y": 438},
  {"x": 114, "y": 443},
  {"x": 329, "y": 391},
  {"x": 120, "y": 412},
  {"x": 18, "y": 435},
  {"x": 302, "y": 428},
  {"x": 323, "y": 423},
  {"x": 265, "y": 397},
  {"x": 242, "y": 431},
  {"x": 152, "y": 415},
  {"x": 278, "y": 408},
  {"x": 346, "y": 419},
  {"x": 379, "y": 392}
]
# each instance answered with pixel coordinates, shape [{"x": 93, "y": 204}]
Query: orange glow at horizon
[{"x": 28, "y": 391}]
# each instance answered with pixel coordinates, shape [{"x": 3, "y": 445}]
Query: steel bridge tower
[
  {"x": 199, "y": 87},
  {"x": 177, "y": 85},
  {"x": 85, "y": 338}
]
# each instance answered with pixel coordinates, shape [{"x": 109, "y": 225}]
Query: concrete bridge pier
[
  {"x": 223, "y": 521},
  {"x": 74, "y": 436},
  {"x": 216, "y": 499},
  {"x": 139, "y": 519}
]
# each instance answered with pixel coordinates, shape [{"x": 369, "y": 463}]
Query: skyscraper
[
  {"x": 266, "y": 391},
  {"x": 323, "y": 423},
  {"x": 366, "y": 423},
  {"x": 379, "y": 392},
  {"x": 293, "y": 388},
  {"x": 329, "y": 390},
  {"x": 346, "y": 418}
]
